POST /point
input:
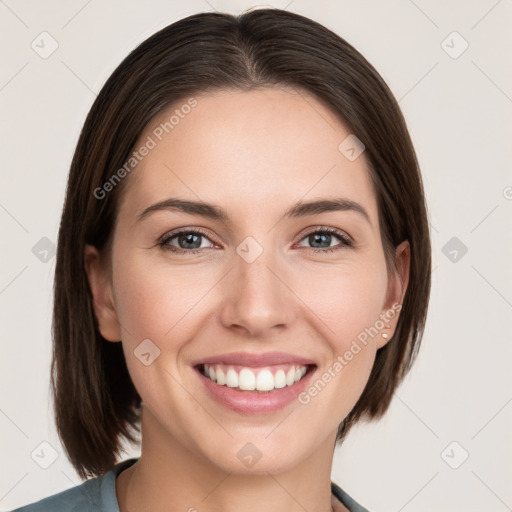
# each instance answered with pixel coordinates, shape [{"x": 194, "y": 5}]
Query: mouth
[
  {"x": 262, "y": 379},
  {"x": 254, "y": 390}
]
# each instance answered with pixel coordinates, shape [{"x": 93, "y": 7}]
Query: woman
[{"x": 243, "y": 269}]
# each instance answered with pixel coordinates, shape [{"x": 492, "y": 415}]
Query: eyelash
[{"x": 344, "y": 239}]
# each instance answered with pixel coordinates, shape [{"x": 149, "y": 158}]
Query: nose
[{"x": 258, "y": 299}]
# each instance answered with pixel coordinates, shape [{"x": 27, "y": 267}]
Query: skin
[{"x": 254, "y": 154}]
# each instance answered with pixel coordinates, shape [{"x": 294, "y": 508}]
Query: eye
[
  {"x": 188, "y": 241},
  {"x": 324, "y": 236}
]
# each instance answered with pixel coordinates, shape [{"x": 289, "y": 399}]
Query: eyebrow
[{"x": 300, "y": 209}]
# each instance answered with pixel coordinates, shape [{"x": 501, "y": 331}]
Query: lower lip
[{"x": 256, "y": 402}]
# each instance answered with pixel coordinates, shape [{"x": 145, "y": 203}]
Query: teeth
[
  {"x": 248, "y": 380},
  {"x": 280, "y": 379},
  {"x": 290, "y": 376},
  {"x": 231, "y": 378},
  {"x": 265, "y": 381},
  {"x": 220, "y": 377}
]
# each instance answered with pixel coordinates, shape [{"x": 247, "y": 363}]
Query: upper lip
[{"x": 255, "y": 360}]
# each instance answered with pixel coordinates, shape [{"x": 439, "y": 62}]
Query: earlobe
[
  {"x": 396, "y": 292},
  {"x": 101, "y": 291}
]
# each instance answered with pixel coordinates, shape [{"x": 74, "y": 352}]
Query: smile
[
  {"x": 253, "y": 384},
  {"x": 254, "y": 379}
]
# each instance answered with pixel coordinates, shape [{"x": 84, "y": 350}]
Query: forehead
[{"x": 255, "y": 151}]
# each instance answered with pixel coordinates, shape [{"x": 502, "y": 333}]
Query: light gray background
[{"x": 459, "y": 115}]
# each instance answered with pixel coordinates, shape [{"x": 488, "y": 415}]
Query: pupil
[
  {"x": 316, "y": 238},
  {"x": 189, "y": 239}
]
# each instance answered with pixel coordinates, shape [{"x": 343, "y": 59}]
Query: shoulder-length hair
[{"x": 95, "y": 402}]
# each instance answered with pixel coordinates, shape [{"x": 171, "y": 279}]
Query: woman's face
[{"x": 256, "y": 282}]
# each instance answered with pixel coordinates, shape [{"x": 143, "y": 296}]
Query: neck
[{"x": 171, "y": 477}]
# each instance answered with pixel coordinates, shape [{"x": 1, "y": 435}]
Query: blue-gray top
[{"x": 99, "y": 495}]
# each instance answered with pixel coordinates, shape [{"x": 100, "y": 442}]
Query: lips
[
  {"x": 255, "y": 383},
  {"x": 246, "y": 371}
]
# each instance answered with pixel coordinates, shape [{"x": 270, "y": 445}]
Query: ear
[
  {"x": 397, "y": 286},
  {"x": 101, "y": 290}
]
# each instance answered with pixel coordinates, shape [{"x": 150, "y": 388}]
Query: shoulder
[
  {"x": 83, "y": 497},
  {"x": 349, "y": 502},
  {"x": 94, "y": 495}
]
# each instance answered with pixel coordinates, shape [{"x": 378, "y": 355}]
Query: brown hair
[{"x": 95, "y": 402}]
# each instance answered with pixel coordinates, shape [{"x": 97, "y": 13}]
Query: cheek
[
  {"x": 347, "y": 303},
  {"x": 153, "y": 300},
  {"x": 347, "y": 299}
]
